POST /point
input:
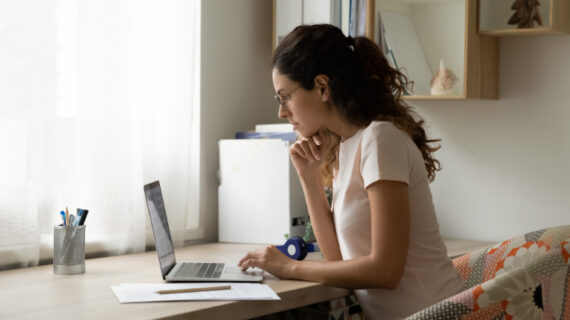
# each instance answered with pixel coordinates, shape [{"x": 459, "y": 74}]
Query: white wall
[
  {"x": 506, "y": 162},
  {"x": 236, "y": 90}
]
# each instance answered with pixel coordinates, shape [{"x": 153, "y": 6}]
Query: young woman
[{"x": 380, "y": 236}]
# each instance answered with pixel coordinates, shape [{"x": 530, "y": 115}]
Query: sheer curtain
[{"x": 97, "y": 98}]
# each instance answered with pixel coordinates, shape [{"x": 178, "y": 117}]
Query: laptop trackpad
[{"x": 234, "y": 271}]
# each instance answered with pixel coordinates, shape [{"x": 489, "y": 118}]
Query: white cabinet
[{"x": 260, "y": 198}]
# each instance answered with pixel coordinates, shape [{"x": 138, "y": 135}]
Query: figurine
[{"x": 526, "y": 13}]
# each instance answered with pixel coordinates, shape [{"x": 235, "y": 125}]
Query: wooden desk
[{"x": 36, "y": 293}]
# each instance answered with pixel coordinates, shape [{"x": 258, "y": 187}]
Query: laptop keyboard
[{"x": 200, "y": 270}]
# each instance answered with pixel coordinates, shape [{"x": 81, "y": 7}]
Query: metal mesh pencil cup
[{"x": 68, "y": 249}]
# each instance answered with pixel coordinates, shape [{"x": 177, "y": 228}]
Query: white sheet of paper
[{"x": 146, "y": 292}]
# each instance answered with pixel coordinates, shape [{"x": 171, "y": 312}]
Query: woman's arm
[
  {"x": 307, "y": 156},
  {"x": 383, "y": 267},
  {"x": 321, "y": 216}
]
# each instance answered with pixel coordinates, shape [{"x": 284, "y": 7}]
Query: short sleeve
[{"x": 384, "y": 154}]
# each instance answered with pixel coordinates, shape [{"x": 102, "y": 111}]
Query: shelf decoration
[
  {"x": 526, "y": 13},
  {"x": 442, "y": 81}
]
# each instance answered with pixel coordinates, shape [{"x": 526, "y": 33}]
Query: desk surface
[{"x": 36, "y": 293}]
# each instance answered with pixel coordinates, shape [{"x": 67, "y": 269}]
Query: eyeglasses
[{"x": 282, "y": 99}]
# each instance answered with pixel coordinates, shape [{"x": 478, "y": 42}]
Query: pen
[
  {"x": 62, "y": 213},
  {"x": 194, "y": 289}
]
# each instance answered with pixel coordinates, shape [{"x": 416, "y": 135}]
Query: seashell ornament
[{"x": 442, "y": 81}]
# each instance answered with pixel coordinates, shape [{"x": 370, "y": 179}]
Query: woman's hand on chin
[{"x": 308, "y": 154}]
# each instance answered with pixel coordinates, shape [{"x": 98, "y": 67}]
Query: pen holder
[{"x": 68, "y": 249}]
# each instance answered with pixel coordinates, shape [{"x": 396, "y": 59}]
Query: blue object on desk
[{"x": 296, "y": 248}]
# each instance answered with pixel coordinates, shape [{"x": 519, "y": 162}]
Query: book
[{"x": 285, "y": 136}]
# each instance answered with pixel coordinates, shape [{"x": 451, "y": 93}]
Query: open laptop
[{"x": 185, "y": 271}]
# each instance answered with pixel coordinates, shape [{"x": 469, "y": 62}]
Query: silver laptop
[{"x": 185, "y": 271}]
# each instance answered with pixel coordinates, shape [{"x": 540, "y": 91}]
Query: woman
[{"x": 380, "y": 236}]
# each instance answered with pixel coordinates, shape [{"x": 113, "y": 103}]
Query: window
[{"x": 97, "y": 98}]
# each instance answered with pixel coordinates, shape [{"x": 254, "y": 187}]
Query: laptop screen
[{"x": 160, "y": 229}]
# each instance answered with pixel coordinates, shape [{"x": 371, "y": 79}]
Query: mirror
[
  {"x": 495, "y": 14},
  {"x": 420, "y": 35}
]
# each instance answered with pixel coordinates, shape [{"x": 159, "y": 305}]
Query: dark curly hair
[{"x": 363, "y": 85}]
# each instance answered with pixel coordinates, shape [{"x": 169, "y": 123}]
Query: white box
[{"x": 260, "y": 198}]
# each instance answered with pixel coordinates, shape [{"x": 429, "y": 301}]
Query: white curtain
[{"x": 97, "y": 98}]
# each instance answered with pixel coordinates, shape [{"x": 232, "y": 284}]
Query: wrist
[
  {"x": 293, "y": 270},
  {"x": 310, "y": 175}
]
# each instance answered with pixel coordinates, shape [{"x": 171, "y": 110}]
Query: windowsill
[{"x": 97, "y": 247}]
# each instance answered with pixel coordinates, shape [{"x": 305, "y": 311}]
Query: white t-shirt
[{"x": 383, "y": 152}]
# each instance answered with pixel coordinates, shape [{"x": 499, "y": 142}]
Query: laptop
[{"x": 185, "y": 271}]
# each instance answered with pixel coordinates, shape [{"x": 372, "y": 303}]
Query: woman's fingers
[
  {"x": 244, "y": 259},
  {"x": 317, "y": 139},
  {"x": 296, "y": 149},
  {"x": 248, "y": 261},
  {"x": 311, "y": 149},
  {"x": 307, "y": 149}
]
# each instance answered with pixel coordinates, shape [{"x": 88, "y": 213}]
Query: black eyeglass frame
[{"x": 282, "y": 99}]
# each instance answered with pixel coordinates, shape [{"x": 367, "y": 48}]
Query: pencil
[{"x": 194, "y": 289}]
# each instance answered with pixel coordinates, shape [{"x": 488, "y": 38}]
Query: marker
[
  {"x": 83, "y": 216},
  {"x": 62, "y": 213}
]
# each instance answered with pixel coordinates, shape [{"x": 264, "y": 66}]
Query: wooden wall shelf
[
  {"x": 520, "y": 32},
  {"x": 480, "y": 52},
  {"x": 481, "y": 60},
  {"x": 556, "y": 21}
]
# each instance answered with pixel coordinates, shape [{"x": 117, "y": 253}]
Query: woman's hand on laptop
[{"x": 271, "y": 260}]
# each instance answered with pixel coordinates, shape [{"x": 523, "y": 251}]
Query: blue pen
[{"x": 62, "y": 213}]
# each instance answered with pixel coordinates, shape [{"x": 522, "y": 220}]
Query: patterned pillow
[{"x": 526, "y": 277}]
